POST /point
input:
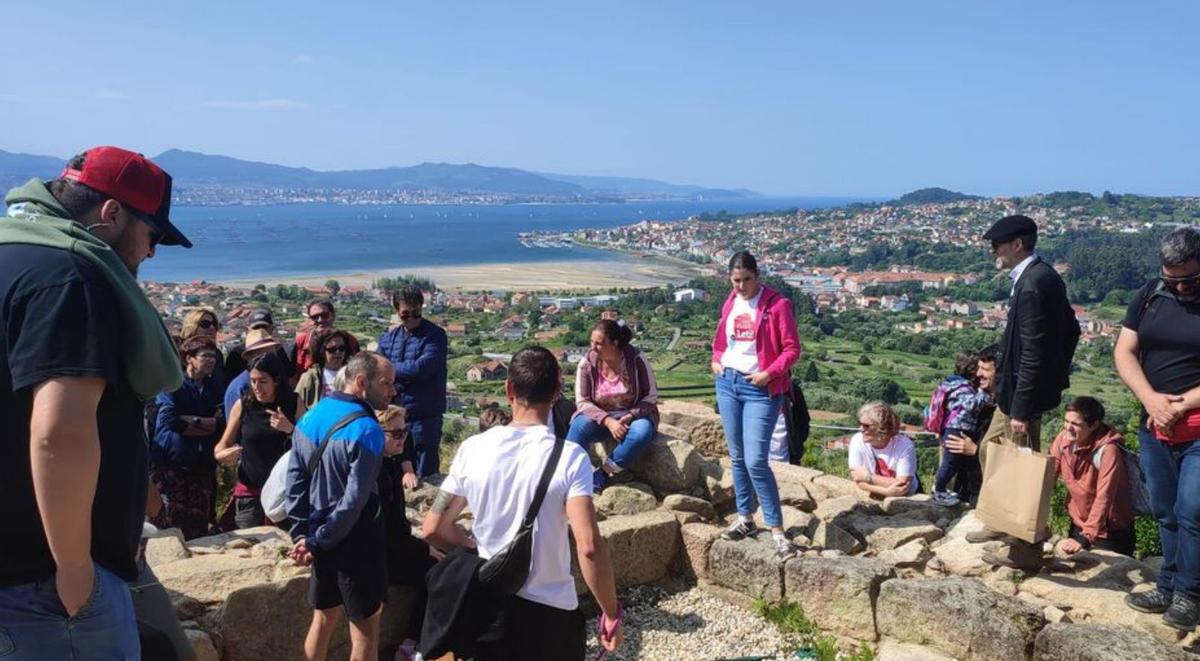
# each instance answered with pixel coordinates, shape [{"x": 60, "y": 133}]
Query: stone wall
[{"x": 897, "y": 574}]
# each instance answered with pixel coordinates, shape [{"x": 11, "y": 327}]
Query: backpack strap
[
  {"x": 543, "y": 483},
  {"x": 315, "y": 460}
]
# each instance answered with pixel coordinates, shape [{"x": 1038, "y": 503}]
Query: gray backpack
[{"x": 1139, "y": 495}]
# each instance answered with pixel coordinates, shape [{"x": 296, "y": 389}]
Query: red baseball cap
[{"x": 133, "y": 180}]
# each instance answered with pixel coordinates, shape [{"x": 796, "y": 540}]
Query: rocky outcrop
[
  {"x": 884, "y": 533},
  {"x": 1100, "y": 642},
  {"x": 669, "y": 466},
  {"x": 959, "y": 616},
  {"x": 748, "y": 566},
  {"x": 838, "y": 594},
  {"x": 628, "y": 498},
  {"x": 642, "y": 546},
  {"x": 692, "y": 504}
]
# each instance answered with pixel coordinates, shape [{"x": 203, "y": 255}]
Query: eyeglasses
[
  {"x": 410, "y": 314},
  {"x": 398, "y": 434},
  {"x": 865, "y": 426},
  {"x": 320, "y": 316},
  {"x": 996, "y": 244},
  {"x": 207, "y": 355},
  {"x": 337, "y": 348},
  {"x": 207, "y": 323}
]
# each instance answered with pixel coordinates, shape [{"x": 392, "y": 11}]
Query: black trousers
[
  {"x": 529, "y": 631},
  {"x": 1118, "y": 541}
]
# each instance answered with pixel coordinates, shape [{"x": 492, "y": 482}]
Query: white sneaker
[{"x": 945, "y": 498}]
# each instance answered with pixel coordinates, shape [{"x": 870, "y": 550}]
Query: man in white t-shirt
[
  {"x": 883, "y": 462},
  {"x": 496, "y": 474}
]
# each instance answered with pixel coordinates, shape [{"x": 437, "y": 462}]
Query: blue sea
[{"x": 238, "y": 243}]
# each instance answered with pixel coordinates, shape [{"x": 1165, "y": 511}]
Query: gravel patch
[{"x": 690, "y": 624}]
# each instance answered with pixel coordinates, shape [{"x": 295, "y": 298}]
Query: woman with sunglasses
[
  {"x": 259, "y": 432},
  {"x": 333, "y": 348},
  {"x": 408, "y": 558},
  {"x": 755, "y": 346},
  {"x": 204, "y": 323},
  {"x": 188, "y": 423},
  {"x": 883, "y": 462}
]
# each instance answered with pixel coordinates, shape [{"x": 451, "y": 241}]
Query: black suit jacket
[{"x": 1038, "y": 344}]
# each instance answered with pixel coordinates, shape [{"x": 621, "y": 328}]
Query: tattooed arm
[{"x": 439, "y": 525}]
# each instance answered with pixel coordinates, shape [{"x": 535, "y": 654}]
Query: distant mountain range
[{"x": 193, "y": 169}]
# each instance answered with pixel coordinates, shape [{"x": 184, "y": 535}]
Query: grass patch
[{"x": 804, "y": 639}]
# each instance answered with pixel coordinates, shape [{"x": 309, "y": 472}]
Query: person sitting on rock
[
  {"x": 1098, "y": 496},
  {"x": 883, "y": 462},
  {"x": 616, "y": 397}
]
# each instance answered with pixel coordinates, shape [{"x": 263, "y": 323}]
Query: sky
[{"x": 784, "y": 98}]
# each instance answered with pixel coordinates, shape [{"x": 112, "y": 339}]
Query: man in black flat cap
[
  {"x": 1039, "y": 338},
  {"x": 1035, "y": 360}
]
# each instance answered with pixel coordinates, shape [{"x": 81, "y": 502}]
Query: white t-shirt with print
[
  {"x": 899, "y": 457},
  {"x": 741, "y": 328},
  {"x": 497, "y": 472}
]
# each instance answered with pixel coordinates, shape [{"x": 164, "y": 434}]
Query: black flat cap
[{"x": 1010, "y": 227}]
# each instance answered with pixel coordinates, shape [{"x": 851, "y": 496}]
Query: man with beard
[
  {"x": 333, "y": 502},
  {"x": 1158, "y": 358},
  {"x": 81, "y": 348}
]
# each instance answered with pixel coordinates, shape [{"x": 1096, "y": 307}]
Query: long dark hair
[
  {"x": 615, "y": 331},
  {"x": 742, "y": 259},
  {"x": 277, "y": 365}
]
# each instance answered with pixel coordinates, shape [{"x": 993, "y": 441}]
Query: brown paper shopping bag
[{"x": 1015, "y": 498}]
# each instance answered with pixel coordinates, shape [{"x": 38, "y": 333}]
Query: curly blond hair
[
  {"x": 390, "y": 413},
  {"x": 881, "y": 416}
]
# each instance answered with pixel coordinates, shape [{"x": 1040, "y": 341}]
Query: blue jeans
[
  {"x": 641, "y": 433},
  {"x": 34, "y": 625},
  {"x": 426, "y": 436},
  {"x": 748, "y": 414},
  {"x": 1173, "y": 480}
]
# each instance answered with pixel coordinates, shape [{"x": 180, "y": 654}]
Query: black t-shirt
[
  {"x": 262, "y": 445},
  {"x": 1168, "y": 337},
  {"x": 56, "y": 320}
]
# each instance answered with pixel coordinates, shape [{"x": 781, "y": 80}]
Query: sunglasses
[
  {"x": 1192, "y": 280},
  {"x": 401, "y": 433},
  {"x": 337, "y": 348},
  {"x": 207, "y": 323},
  {"x": 156, "y": 235},
  {"x": 414, "y": 314},
  {"x": 320, "y": 316},
  {"x": 207, "y": 355}
]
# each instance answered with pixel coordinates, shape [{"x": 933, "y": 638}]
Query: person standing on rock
[
  {"x": 1158, "y": 357},
  {"x": 333, "y": 503},
  {"x": 81, "y": 349},
  {"x": 417, "y": 348},
  {"x": 1036, "y": 349},
  {"x": 496, "y": 474},
  {"x": 616, "y": 398},
  {"x": 1039, "y": 338},
  {"x": 753, "y": 351}
]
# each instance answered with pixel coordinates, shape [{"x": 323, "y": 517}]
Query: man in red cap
[{"x": 81, "y": 348}]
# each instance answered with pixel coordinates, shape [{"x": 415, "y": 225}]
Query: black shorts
[
  {"x": 353, "y": 574},
  {"x": 528, "y": 631}
]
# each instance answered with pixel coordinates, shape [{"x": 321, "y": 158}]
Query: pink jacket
[{"x": 778, "y": 342}]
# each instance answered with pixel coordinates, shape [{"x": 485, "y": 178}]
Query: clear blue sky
[{"x": 861, "y": 98}]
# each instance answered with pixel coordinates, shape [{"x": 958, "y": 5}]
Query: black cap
[
  {"x": 1010, "y": 227},
  {"x": 261, "y": 317}
]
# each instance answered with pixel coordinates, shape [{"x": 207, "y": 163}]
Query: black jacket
[{"x": 1038, "y": 344}]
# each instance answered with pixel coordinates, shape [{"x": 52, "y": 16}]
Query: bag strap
[
  {"x": 543, "y": 483},
  {"x": 315, "y": 459}
]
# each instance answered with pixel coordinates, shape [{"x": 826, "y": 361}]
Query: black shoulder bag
[
  {"x": 504, "y": 573},
  {"x": 315, "y": 459}
]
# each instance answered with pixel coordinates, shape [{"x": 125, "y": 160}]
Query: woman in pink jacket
[{"x": 755, "y": 346}]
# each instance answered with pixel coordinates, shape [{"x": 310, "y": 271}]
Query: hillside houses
[{"x": 488, "y": 370}]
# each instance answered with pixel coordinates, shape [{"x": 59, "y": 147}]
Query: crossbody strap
[
  {"x": 543, "y": 483},
  {"x": 315, "y": 459}
]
